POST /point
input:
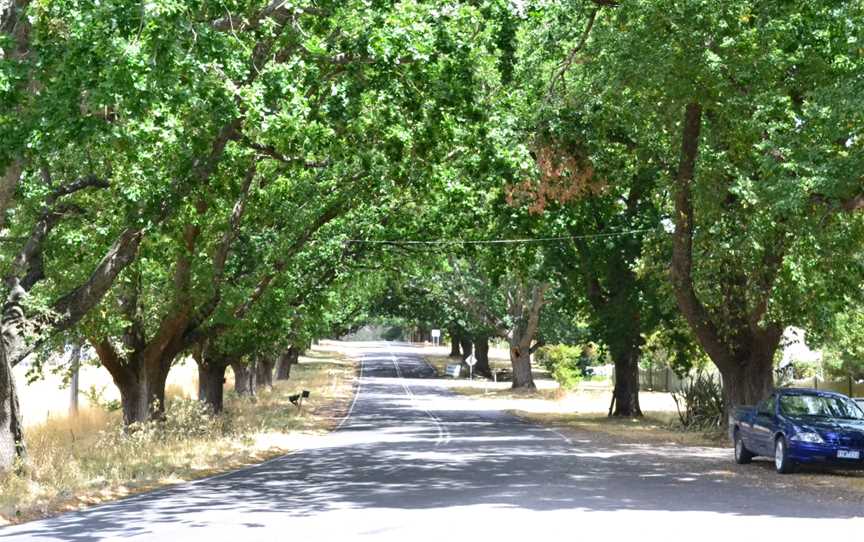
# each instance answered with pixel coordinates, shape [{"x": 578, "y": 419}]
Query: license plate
[{"x": 848, "y": 454}]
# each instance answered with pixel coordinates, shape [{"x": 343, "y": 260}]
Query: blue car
[{"x": 800, "y": 426}]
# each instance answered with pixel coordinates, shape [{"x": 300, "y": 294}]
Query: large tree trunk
[
  {"x": 749, "y": 379},
  {"x": 211, "y": 384},
  {"x": 244, "y": 378},
  {"x": 525, "y": 311},
  {"x": 133, "y": 398},
  {"x": 455, "y": 351},
  {"x": 466, "y": 345},
  {"x": 481, "y": 352},
  {"x": 286, "y": 360},
  {"x": 156, "y": 379},
  {"x": 264, "y": 368},
  {"x": 141, "y": 380},
  {"x": 740, "y": 344},
  {"x": 142, "y": 391},
  {"x": 520, "y": 359},
  {"x": 625, "y": 396},
  {"x": 11, "y": 426}
]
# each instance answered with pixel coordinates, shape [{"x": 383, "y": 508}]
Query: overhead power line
[{"x": 495, "y": 241}]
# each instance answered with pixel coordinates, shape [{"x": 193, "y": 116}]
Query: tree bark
[
  {"x": 11, "y": 425},
  {"x": 133, "y": 398},
  {"x": 625, "y": 396},
  {"x": 520, "y": 359},
  {"x": 481, "y": 352},
  {"x": 455, "y": 350},
  {"x": 211, "y": 383},
  {"x": 750, "y": 378},
  {"x": 244, "y": 378},
  {"x": 264, "y": 376},
  {"x": 140, "y": 379},
  {"x": 525, "y": 313},
  {"x": 466, "y": 345},
  {"x": 286, "y": 360}
]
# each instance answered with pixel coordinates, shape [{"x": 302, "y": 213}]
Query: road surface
[{"x": 414, "y": 462}]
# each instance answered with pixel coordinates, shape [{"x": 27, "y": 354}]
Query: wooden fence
[{"x": 658, "y": 378}]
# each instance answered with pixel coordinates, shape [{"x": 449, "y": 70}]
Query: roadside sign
[
  {"x": 470, "y": 361},
  {"x": 453, "y": 370}
]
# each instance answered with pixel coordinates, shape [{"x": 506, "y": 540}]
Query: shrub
[
  {"x": 563, "y": 362},
  {"x": 700, "y": 402},
  {"x": 184, "y": 419},
  {"x": 96, "y": 397}
]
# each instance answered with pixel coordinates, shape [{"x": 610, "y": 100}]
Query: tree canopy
[{"x": 231, "y": 180}]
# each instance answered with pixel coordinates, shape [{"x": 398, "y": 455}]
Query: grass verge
[
  {"x": 583, "y": 409},
  {"x": 88, "y": 459},
  {"x": 648, "y": 429}
]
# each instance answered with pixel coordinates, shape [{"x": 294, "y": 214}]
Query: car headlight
[{"x": 808, "y": 436}]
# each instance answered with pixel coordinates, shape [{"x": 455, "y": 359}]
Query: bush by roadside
[{"x": 565, "y": 363}]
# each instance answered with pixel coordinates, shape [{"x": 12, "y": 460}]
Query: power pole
[{"x": 75, "y": 359}]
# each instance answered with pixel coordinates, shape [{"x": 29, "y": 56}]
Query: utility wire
[{"x": 494, "y": 241}]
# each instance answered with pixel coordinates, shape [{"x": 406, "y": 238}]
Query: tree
[{"x": 755, "y": 136}]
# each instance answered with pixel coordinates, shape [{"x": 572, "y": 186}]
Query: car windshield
[{"x": 820, "y": 406}]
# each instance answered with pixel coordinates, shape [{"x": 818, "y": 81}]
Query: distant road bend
[{"x": 415, "y": 462}]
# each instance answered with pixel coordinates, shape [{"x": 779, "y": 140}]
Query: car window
[
  {"x": 820, "y": 406},
  {"x": 766, "y": 406}
]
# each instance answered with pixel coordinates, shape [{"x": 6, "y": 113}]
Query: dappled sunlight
[{"x": 421, "y": 449}]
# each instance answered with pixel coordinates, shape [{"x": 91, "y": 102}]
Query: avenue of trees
[{"x": 230, "y": 180}]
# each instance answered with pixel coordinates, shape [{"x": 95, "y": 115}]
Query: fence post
[
  {"x": 668, "y": 370},
  {"x": 815, "y": 382},
  {"x": 850, "y": 385}
]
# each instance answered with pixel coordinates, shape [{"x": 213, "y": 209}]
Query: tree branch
[
  {"x": 73, "y": 306},
  {"x": 682, "y": 242},
  {"x": 220, "y": 256},
  {"x": 275, "y": 10},
  {"x": 571, "y": 58},
  {"x": 276, "y": 155}
]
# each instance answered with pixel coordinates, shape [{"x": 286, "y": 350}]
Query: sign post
[
  {"x": 471, "y": 360},
  {"x": 436, "y": 337}
]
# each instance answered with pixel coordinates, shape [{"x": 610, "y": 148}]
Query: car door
[{"x": 763, "y": 427}]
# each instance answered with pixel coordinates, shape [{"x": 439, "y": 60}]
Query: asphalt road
[{"x": 414, "y": 462}]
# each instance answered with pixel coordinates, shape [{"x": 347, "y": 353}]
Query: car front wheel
[
  {"x": 782, "y": 463},
  {"x": 742, "y": 454}
]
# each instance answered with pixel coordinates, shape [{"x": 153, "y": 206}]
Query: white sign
[
  {"x": 453, "y": 370},
  {"x": 471, "y": 360},
  {"x": 436, "y": 333}
]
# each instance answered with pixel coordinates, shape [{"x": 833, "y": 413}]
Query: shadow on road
[{"x": 414, "y": 447}]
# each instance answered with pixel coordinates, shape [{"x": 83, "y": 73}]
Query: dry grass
[
  {"x": 648, "y": 429},
  {"x": 75, "y": 462},
  {"x": 584, "y": 409}
]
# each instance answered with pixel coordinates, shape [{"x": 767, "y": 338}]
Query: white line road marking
[
  {"x": 354, "y": 401},
  {"x": 443, "y": 432}
]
